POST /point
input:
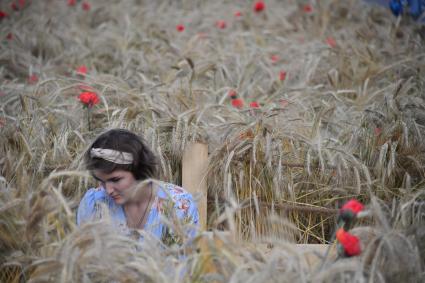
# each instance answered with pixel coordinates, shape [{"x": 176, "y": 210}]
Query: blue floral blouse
[{"x": 170, "y": 200}]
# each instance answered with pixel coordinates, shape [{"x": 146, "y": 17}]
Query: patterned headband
[{"x": 111, "y": 155}]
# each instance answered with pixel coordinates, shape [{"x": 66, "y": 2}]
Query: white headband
[{"x": 111, "y": 155}]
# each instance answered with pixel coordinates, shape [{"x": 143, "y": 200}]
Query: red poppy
[
  {"x": 82, "y": 70},
  {"x": 14, "y": 6},
  {"x": 17, "y": 6},
  {"x": 349, "y": 242},
  {"x": 33, "y": 79},
  {"x": 353, "y": 206},
  {"x": 3, "y": 15},
  {"x": 221, "y": 24},
  {"x": 259, "y": 6},
  {"x": 9, "y": 36},
  {"x": 254, "y": 104},
  {"x": 180, "y": 27},
  {"x": 86, "y": 6},
  {"x": 378, "y": 131},
  {"x": 238, "y": 14},
  {"x": 331, "y": 41},
  {"x": 72, "y": 2},
  {"x": 274, "y": 58},
  {"x": 307, "y": 8},
  {"x": 232, "y": 93},
  {"x": 237, "y": 103},
  {"x": 88, "y": 98},
  {"x": 282, "y": 75}
]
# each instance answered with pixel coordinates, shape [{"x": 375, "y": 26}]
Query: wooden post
[{"x": 194, "y": 167}]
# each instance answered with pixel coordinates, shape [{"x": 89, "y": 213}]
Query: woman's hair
[{"x": 144, "y": 164}]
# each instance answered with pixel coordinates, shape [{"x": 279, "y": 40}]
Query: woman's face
[{"x": 116, "y": 183}]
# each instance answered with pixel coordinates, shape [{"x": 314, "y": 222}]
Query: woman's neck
[
  {"x": 137, "y": 211},
  {"x": 141, "y": 196}
]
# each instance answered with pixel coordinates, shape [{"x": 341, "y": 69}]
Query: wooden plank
[
  {"x": 194, "y": 167},
  {"x": 211, "y": 243}
]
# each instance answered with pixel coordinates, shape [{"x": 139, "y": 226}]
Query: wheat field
[{"x": 330, "y": 105}]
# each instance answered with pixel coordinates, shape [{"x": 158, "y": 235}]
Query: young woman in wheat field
[{"x": 127, "y": 194}]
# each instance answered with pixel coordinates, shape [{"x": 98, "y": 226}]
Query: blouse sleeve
[{"x": 87, "y": 209}]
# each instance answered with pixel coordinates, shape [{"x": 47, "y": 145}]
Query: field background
[{"x": 341, "y": 89}]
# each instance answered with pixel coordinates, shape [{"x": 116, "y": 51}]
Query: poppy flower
[
  {"x": 82, "y": 70},
  {"x": 14, "y": 6},
  {"x": 33, "y": 79},
  {"x": 331, "y": 41},
  {"x": 349, "y": 242},
  {"x": 254, "y": 104},
  {"x": 238, "y": 14},
  {"x": 9, "y": 36},
  {"x": 282, "y": 75},
  {"x": 180, "y": 27},
  {"x": 307, "y": 8},
  {"x": 233, "y": 94},
  {"x": 259, "y": 6},
  {"x": 18, "y": 6},
  {"x": 86, "y": 6},
  {"x": 237, "y": 103},
  {"x": 72, "y": 2},
  {"x": 221, "y": 24},
  {"x": 353, "y": 205},
  {"x": 274, "y": 58},
  {"x": 349, "y": 211},
  {"x": 3, "y": 15},
  {"x": 88, "y": 98}
]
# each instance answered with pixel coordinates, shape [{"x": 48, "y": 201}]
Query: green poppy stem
[{"x": 88, "y": 118}]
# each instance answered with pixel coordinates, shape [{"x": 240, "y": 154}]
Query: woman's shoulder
[
  {"x": 88, "y": 204},
  {"x": 182, "y": 199},
  {"x": 175, "y": 192}
]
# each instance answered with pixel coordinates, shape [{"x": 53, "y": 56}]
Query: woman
[{"x": 124, "y": 165}]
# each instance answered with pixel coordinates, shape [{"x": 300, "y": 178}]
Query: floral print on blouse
[{"x": 171, "y": 202}]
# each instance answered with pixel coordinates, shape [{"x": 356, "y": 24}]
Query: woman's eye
[{"x": 115, "y": 180}]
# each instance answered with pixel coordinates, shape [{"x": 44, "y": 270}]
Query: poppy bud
[
  {"x": 233, "y": 94},
  {"x": 282, "y": 75},
  {"x": 331, "y": 41}
]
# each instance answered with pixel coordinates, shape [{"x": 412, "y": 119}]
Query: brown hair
[{"x": 144, "y": 163}]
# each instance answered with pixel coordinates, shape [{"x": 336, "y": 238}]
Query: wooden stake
[{"x": 194, "y": 167}]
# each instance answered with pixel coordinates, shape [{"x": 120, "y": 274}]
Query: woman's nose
[{"x": 108, "y": 187}]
